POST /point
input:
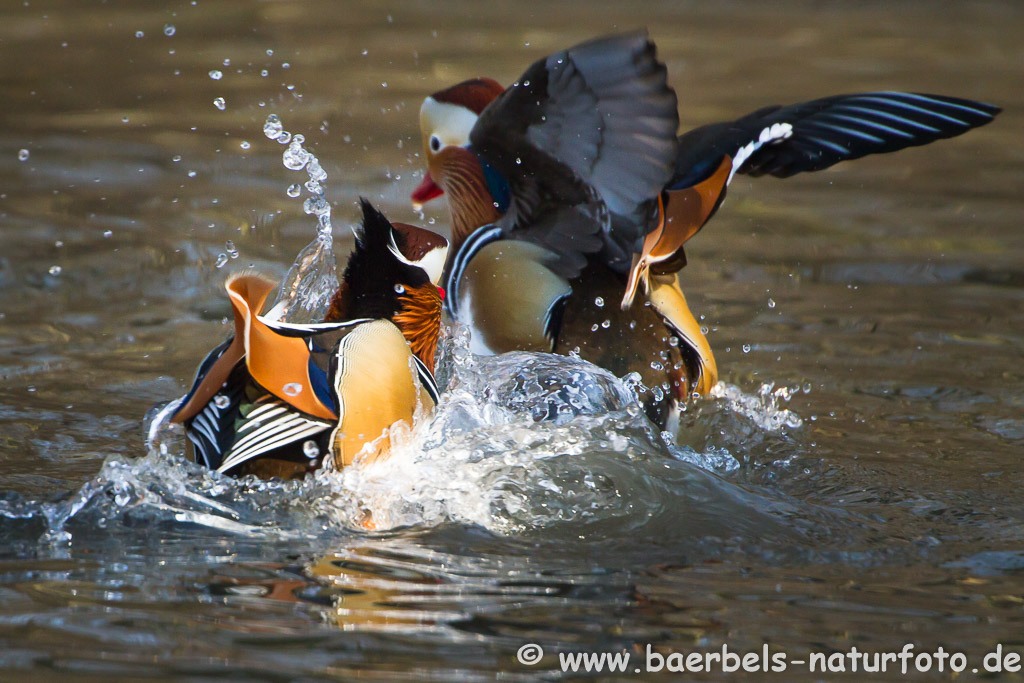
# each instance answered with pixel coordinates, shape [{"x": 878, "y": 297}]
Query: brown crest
[
  {"x": 415, "y": 243},
  {"x": 474, "y": 94}
]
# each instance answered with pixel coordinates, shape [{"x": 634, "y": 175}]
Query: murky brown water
[{"x": 891, "y": 288}]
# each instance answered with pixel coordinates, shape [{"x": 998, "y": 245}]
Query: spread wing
[
  {"x": 584, "y": 133},
  {"x": 811, "y": 136}
]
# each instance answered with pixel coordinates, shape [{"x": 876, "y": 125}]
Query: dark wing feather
[
  {"x": 827, "y": 131},
  {"x": 212, "y": 430},
  {"x": 583, "y": 134}
]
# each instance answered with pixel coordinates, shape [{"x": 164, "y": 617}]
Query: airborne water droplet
[
  {"x": 23, "y": 155},
  {"x": 273, "y": 127},
  {"x": 220, "y": 104},
  {"x": 771, "y": 303},
  {"x": 599, "y": 302},
  {"x": 222, "y": 259},
  {"x": 55, "y": 270},
  {"x": 169, "y": 30},
  {"x": 310, "y": 449},
  {"x": 746, "y": 348},
  {"x": 244, "y": 144},
  {"x": 294, "y": 190},
  {"x": 606, "y": 324},
  {"x": 229, "y": 246},
  {"x": 221, "y": 401},
  {"x": 216, "y": 74}
]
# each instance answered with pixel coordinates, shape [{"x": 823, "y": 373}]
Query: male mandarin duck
[
  {"x": 560, "y": 177},
  {"x": 276, "y": 398},
  {"x": 557, "y": 187}
]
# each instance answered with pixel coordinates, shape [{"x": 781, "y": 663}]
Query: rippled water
[{"x": 853, "y": 481}]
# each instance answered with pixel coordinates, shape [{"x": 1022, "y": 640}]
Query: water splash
[
  {"x": 306, "y": 291},
  {"x": 765, "y": 408},
  {"x": 522, "y": 443}
]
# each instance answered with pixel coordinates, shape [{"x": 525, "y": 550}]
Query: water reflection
[{"x": 890, "y": 512}]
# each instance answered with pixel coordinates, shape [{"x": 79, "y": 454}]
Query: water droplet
[
  {"x": 169, "y": 30},
  {"x": 270, "y": 53},
  {"x": 400, "y": 289},
  {"x": 807, "y": 387},
  {"x": 284, "y": 138},
  {"x": 526, "y": 84},
  {"x": 229, "y": 246},
  {"x": 139, "y": 34},
  {"x": 191, "y": 174},
  {"x": 222, "y": 260},
  {"x": 746, "y": 348},
  {"x": 176, "y": 158},
  {"x": 310, "y": 449},
  {"x": 599, "y": 302},
  {"x": 216, "y": 75},
  {"x": 273, "y": 127},
  {"x": 295, "y": 158},
  {"x": 703, "y": 329},
  {"x": 220, "y": 104},
  {"x": 292, "y": 389},
  {"x": 294, "y": 190},
  {"x": 23, "y": 155},
  {"x": 518, "y": 160},
  {"x": 59, "y": 243},
  {"x": 108, "y": 233},
  {"x": 384, "y": 84},
  {"x": 264, "y": 73},
  {"x": 606, "y": 324},
  {"x": 221, "y": 401},
  {"x": 771, "y": 303},
  {"x": 244, "y": 144},
  {"x": 593, "y": 328},
  {"x": 286, "y": 65},
  {"x": 55, "y": 270}
]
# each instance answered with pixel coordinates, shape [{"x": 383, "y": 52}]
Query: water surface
[{"x": 855, "y": 481}]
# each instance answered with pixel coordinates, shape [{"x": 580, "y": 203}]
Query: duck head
[
  {"x": 394, "y": 273},
  {"x": 474, "y": 191}
]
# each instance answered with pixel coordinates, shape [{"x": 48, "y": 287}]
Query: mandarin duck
[
  {"x": 549, "y": 182},
  {"x": 276, "y": 399},
  {"x": 503, "y": 156}
]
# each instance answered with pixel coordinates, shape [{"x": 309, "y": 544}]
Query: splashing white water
[
  {"x": 306, "y": 291},
  {"x": 518, "y": 443}
]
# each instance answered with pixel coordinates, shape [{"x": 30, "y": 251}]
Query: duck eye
[
  {"x": 435, "y": 143},
  {"x": 400, "y": 289}
]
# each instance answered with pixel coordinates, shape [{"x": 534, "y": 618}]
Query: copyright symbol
[{"x": 530, "y": 654}]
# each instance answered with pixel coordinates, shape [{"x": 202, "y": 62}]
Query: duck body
[
  {"x": 279, "y": 399},
  {"x": 570, "y": 161}
]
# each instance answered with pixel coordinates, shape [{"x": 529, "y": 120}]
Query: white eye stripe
[
  {"x": 393, "y": 248},
  {"x": 432, "y": 262}
]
